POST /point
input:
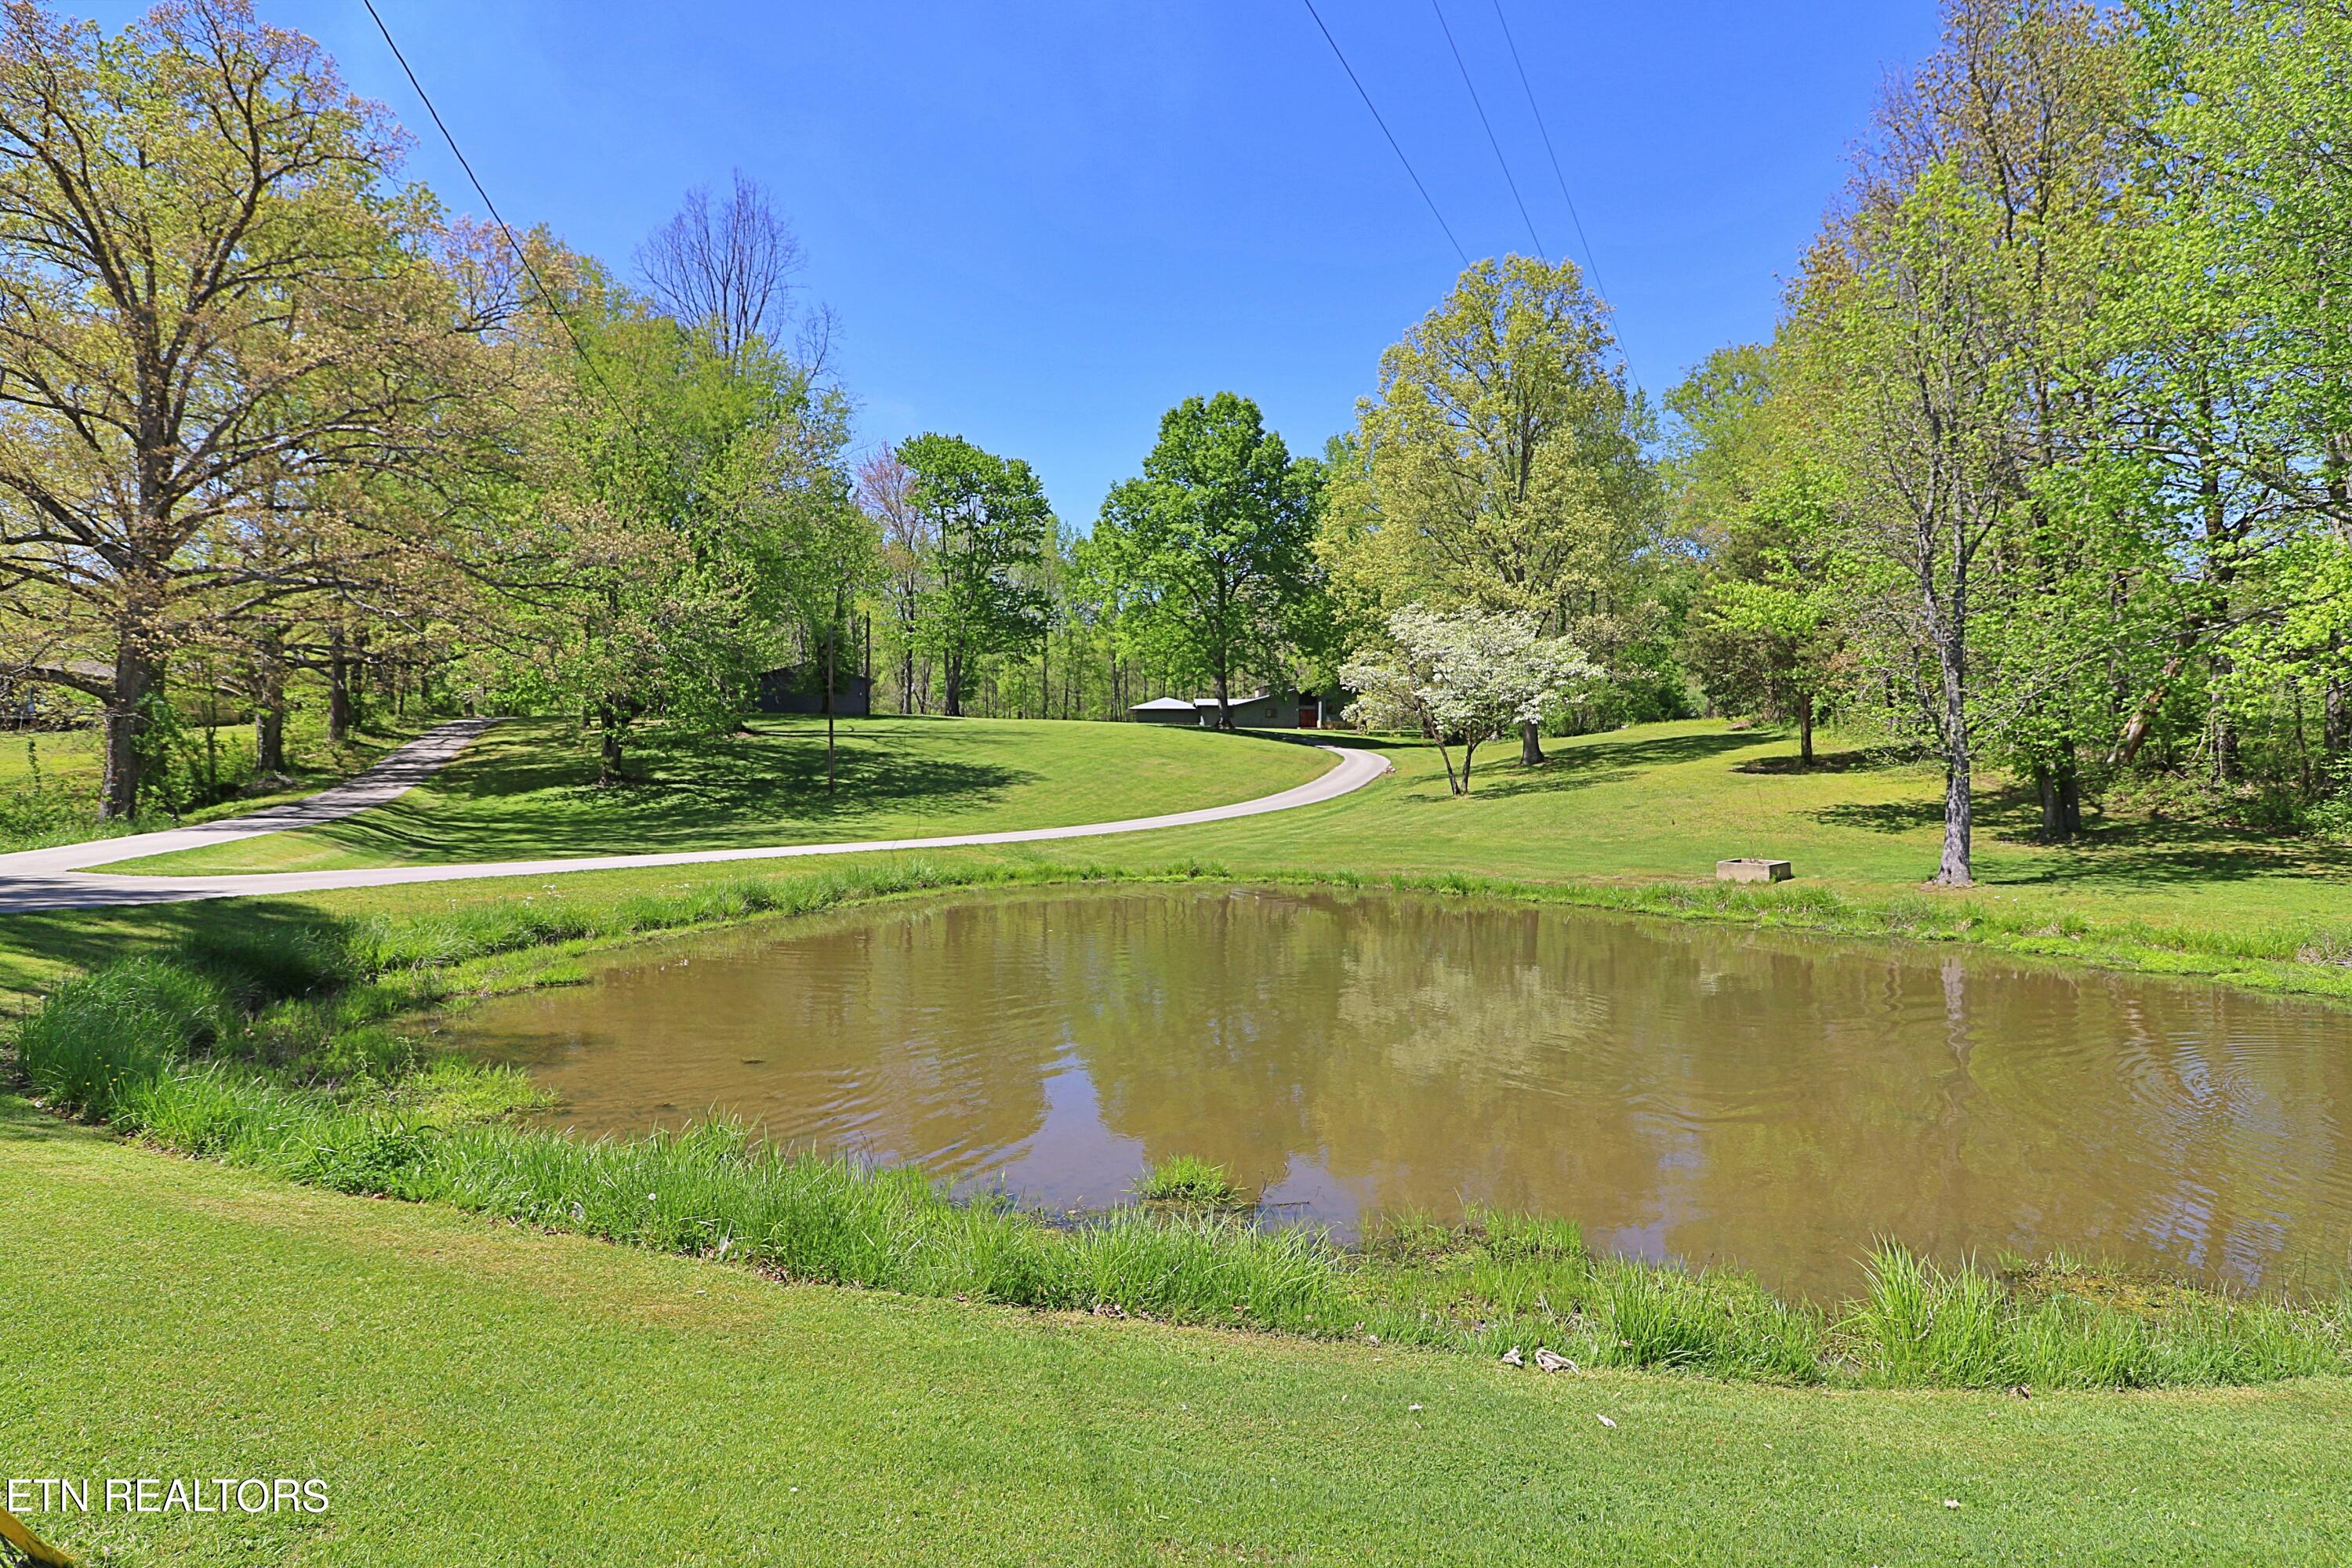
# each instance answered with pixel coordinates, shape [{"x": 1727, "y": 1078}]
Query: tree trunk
[
  {"x": 831, "y": 641},
  {"x": 359, "y": 674},
  {"x": 1954, "y": 869},
  {"x": 270, "y": 733},
  {"x": 137, "y": 676},
  {"x": 2335, "y": 712},
  {"x": 2222, "y": 570},
  {"x": 1469, "y": 749},
  {"x": 2336, "y": 716},
  {"x": 339, "y": 689},
  {"x": 1805, "y": 728},
  {"x": 953, "y": 675},
  {"x": 2226, "y": 769},
  {"x": 1224, "y": 704},
  {"x": 2061, "y": 789},
  {"x": 269, "y": 704},
  {"x": 608, "y": 755},
  {"x": 1531, "y": 752}
]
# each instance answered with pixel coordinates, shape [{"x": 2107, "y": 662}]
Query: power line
[
  {"x": 1591, "y": 266},
  {"x": 1503, "y": 162},
  {"x": 1524, "y": 86},
  {"x": 520, "y": 255},
  {"x": 1383, "y": 124}
]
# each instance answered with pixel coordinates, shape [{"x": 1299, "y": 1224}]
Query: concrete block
[{"x": 1752, "y": 871}]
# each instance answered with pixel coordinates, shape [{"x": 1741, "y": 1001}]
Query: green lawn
[
  {"x": 63, "y": 755},
  {"x": 1650, "y": 807},
  {"x": 1660, "y": 801},
  {"x": 70, "y": 759},
  {"x": 1669, "y": 800},
  {"x": 527, "y": 790},
  {"x": 474, "y": 1394}
]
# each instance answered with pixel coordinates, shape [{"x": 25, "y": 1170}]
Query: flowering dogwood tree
[{"x": 1463, "y": 679}]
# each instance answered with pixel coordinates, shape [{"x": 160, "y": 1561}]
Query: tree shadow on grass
[
  {"x": 87, "y": 938},
  {"x": 1822, "y": 762},
  {"x": 2135, "y": 851},
  {"x": 1890, "y": 816},
  {"x": 2011, "y": 812},
  {"x": 1583, "y": 762},
  {"x": 536, "y": 795},
  {"x": 2161, "y": 853}
]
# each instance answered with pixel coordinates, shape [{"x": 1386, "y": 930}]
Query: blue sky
[{"x": 1042, "y": 224}]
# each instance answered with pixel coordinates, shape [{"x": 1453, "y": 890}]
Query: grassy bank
[
  {"x": 285, "y": 1057},
  {"x": 528, "y": 791},
  {"x": 2303, "y": 957},
  {"x": 474, "y": 1393}
]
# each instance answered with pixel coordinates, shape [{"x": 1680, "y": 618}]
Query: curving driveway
[{"x": 59, "y": 879}]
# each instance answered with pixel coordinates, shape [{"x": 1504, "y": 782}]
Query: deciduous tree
[
  {"x": 1213, "y": 545},
  {"x": 1500, "y": 464},
  {"x": 989, "y": 522},
  {"x": 1464, "y": 678},
  {"x": 209, "y": 284}
]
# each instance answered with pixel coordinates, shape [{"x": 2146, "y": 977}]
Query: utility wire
[
  {"x": 521, "y": 254},
  {"x": 1383, "y": 124},
  {"x": 1524, "y": 86},
  {"x": 1591, "y": 266},
  {"x": 1460, "y": 64}
]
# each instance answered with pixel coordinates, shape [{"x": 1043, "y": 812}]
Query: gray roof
[{"x": 1163, "y": 705}]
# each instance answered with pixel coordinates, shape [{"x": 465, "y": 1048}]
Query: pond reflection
[{"x": 1699, "y": 1092}]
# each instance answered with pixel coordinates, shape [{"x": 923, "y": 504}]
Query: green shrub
[
  {"x": 1922, "y": 1325},
  {"x": 117, "y": 1026},
  {"x": 1190, "y": 1182}
]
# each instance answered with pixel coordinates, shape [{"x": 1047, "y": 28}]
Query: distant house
[
  {"x": 1258, "y": 710},
  {"x": 803, "y": 691},
  {"x": 1164, "y": 711}
]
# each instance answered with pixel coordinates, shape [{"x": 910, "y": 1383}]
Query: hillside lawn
[
  {"x": 528, "y": 791},
  {"x": 471, "y": 1392},
  {"x": 476, "y": 1393},
  {"x": 71, "y": 760}
]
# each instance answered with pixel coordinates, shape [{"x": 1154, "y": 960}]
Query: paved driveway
[{"x": 60, "y": 879}]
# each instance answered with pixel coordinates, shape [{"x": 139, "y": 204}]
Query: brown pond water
[{"x": 1690, "y": 1091}]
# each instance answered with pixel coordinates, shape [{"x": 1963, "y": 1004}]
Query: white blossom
[{"x": 1464, "y": 678}]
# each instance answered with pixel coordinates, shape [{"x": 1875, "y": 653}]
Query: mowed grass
[
  {"x": 66, "y": 765},
  {"x": 474, "y": 1393},
  {"x": 528, "y": 791},
  {"x": 63, "y": 755},
  {"x": 1668, "y": 800},
  {"x": 478, "y": 1393}
]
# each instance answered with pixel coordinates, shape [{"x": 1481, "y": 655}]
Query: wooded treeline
[
  {"x": 2046, "y": 466},
  {"x": 2046, "y": 469}
]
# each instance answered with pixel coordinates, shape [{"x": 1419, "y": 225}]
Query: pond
[{"x": 1704, "y": 1093}]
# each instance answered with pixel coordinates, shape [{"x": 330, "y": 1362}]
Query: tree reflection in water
[{"x": 1694, "y": 1091}]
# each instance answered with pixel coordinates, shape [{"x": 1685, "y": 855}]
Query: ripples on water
[{"x": 1689, "y": 1091}]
